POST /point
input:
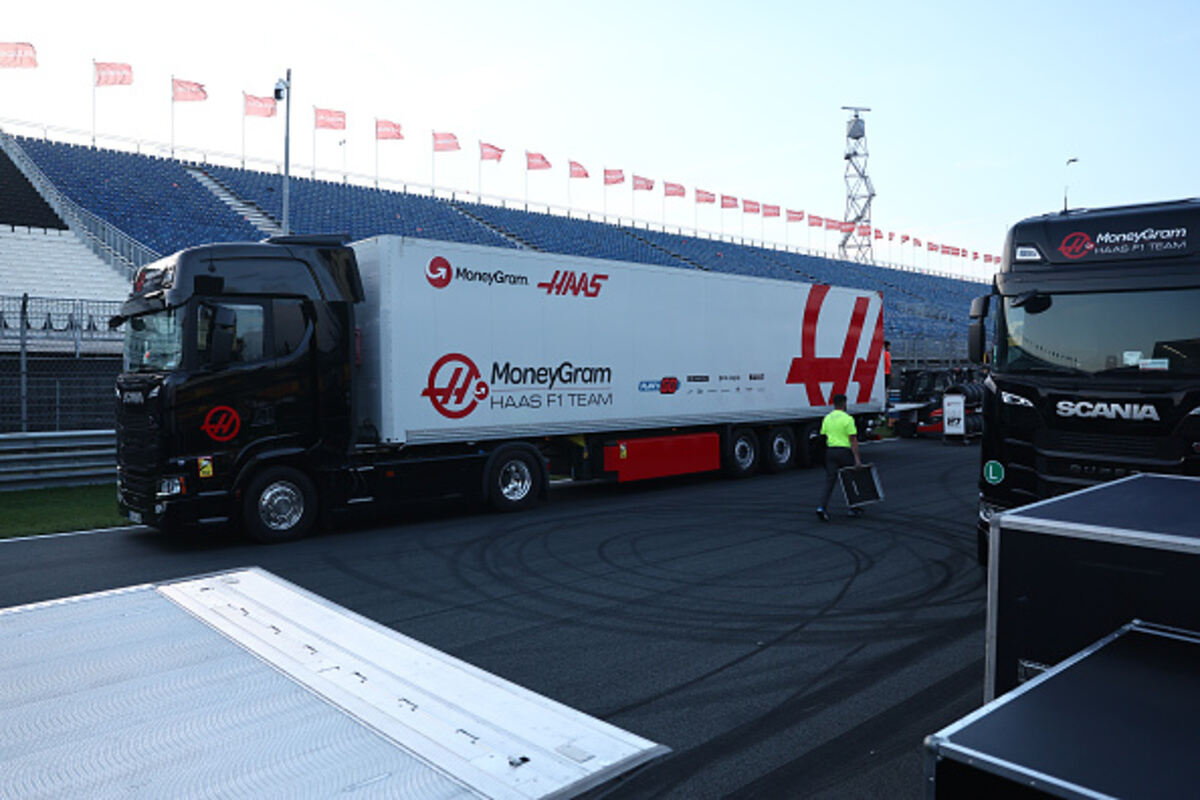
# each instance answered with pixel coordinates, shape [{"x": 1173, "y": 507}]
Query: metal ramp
[{"x": 240, "y": 684}]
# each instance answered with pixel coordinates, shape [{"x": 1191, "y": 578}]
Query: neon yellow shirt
[{"x": 838, "y": 427}]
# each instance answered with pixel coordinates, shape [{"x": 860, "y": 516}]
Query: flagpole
[
  {"x": 526, "y": 180},
  {"x": 377, "y": 152},
  {"x": 432, "y": 165},
  {"x": 93, "y": 104},
  {"x": 479, "y": 171},
  {"x": 243, "y": 129},
  {"x": 314, "y": 164},
  {"x": 172, "y": 116}
]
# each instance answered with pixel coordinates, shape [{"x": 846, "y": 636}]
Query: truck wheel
[
  {"x": 812, "y": 445},
  {"x": 741, "y": 455},
  {"x": 515, "y": 480},
  {"x": 280, "y": 505},
  {"x": 781, "y": 449}
]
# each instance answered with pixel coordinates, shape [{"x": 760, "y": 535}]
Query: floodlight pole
[{"x": 286, "y": 88}]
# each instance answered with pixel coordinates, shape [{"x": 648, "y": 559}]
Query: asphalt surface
[{"x": 777, "y": 655}]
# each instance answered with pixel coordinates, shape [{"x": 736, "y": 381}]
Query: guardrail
[{"x": 64, "y": 458}]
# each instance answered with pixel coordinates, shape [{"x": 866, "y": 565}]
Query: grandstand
[{"x": 76, "y": 221}]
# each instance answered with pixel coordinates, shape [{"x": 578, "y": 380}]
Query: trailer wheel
[
  {"x": 781, "y": 449},
  {"x": 514, "y": 480},
  {"x": 812, "y": 445},
  {"x": 280, "y": 505},
  {"x": 741, "y": 455}
]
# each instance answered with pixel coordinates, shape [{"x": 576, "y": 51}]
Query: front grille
[
  {"x": 137, "y": 491},
  {"x": 1106, "y": 444}
]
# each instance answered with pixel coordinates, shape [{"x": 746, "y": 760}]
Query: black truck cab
[
  {"x": 1095, "y": 358},
  {"x": 237, "y": 382}
]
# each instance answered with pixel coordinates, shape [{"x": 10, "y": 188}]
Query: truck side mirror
[
  {"x": 223, "y": 332},
  {"x": 976, "y": 341},
  {"x": 979, "y": 306}
]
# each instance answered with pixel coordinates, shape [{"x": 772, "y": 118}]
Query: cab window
[{"x": 248, "y": 335}]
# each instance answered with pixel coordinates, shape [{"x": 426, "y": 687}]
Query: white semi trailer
[{"x": 267, "y": 381}]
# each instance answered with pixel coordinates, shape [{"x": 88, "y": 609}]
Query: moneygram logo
[
  {"x": 439, "y": 272},
  {"x": 455, "y": 386},
  {"x": 1076, "y": 245}
]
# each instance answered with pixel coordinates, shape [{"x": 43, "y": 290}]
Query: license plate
[{"x": 135, "y": 516}]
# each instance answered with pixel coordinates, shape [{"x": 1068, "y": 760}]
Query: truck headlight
[
  {"x": 1011, "y": 399},
  {"x": 169, "y": 487}
]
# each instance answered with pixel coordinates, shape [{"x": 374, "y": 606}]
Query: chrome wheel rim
[
  {"x": 281, "y": 505},
  {"x": 743, "y": 453},
  {"x": 782, "y": 447},
  {"x": 515, "y": 480}
]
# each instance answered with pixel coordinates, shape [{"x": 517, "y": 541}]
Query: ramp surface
[{"x": 241, "y": 684}]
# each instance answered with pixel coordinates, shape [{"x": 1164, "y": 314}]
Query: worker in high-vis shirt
[{"x": 841, "y": 450}]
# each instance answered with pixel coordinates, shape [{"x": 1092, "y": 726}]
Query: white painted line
[{"x": 74, "y": 533}]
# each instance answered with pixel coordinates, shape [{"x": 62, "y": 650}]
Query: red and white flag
[
  {"x": 329, "y": 119},
  {"x": 848, "y": 227},
  {"x": 444, "y": 142},
  {"x": 257, "y": 106},
  {"x": 577, "y": 170},
  {"x": 111, "y": 74},
  {"x": 641, "y": 184},
  {"x": 891, "y": 236},
  {"x": 916, "y": 242},
  {"x": 489, "y": 152},
  {"x": 814, "y": 221},
  {"x": 385, "y": 129},
  {"x": 673, "y": 189},
  {"x": 614, "y": 176},
  {"x": 187, "y": 91},
  {"x": 795, "y": 216},
  {"x": 17, "y": 54},
  {"x": 728, "y": 202},
  {"x": 931, "y": 246},
  {"x": 945, "y": 249},
  {"x": 750, "y": 207},
  {"x": 770, "y": 211},
  {"x": 705, "y": 197},
  {"x": 974, "y": 255},
  {"x": 987, "y": 258},
  {"x": 903, "y": 238},
  {"x": 536, "y": 161},
  {"x": 832, "y": 224},
  {"x": 878, "y": 233},
  {"x": 864, "y": 230}
]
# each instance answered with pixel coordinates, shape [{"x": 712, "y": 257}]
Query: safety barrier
[{"x": 64, "y": 458}]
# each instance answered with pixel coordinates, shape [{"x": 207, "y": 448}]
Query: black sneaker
[{"x": 822, "y": 515}]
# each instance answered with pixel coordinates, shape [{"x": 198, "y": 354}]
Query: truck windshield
[
  {"x": 1143, "y": 334},
  {"x": 154, "y": 341}
]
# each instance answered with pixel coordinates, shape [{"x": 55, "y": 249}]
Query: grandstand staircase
[
  {"x": 465, "y": 210},
  {"x": 251, "y": 212},
  {"x": 633, "y": 234}
]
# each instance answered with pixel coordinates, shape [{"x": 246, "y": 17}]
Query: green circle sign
[{"x": 993, "y": 472}]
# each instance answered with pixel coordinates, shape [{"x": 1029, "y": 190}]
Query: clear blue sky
[{"x": 975, "y": 107}]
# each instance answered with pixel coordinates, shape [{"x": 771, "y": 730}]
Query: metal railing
[
  {"x": 115, "y": 247},
  {"x": 65, "y": 458}
]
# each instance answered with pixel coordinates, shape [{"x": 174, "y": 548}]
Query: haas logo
[
  {"x": 455, "y": 386},
  {"x": 1076, "y": 245},
  {"x": 222, "y": 424},
  {"x": 813, "y": 370},
  {"x": 567, "y": 281},
  {"x": 439, "y": 272}
]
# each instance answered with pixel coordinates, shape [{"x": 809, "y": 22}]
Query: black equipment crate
[
  {"x": 1066, "y": 571},
  {"x": 860, "y": 485},
  {"x": 1118, "y": 719}
]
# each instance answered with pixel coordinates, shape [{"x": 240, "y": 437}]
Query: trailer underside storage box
[
  {"x": 1066, "y": 571},
  {"x": 1116, "y": 720},
  {"x": 240, "y": 684}
]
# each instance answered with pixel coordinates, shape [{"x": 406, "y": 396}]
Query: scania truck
[
  {"x": 1095, "y": 359},
  {"x": 267, "y": 384}
]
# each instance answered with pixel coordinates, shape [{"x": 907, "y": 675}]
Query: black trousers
[{"x": 835, "y": 459}]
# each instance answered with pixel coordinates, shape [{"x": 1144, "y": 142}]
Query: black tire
[
  {"x": 279, "y": 505},
  {"x": 741, "y": 453},
  {"x": 515, "y": 479},
  {"x": 811, "y": 446},
  {"x": 781, "y": 449}
]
